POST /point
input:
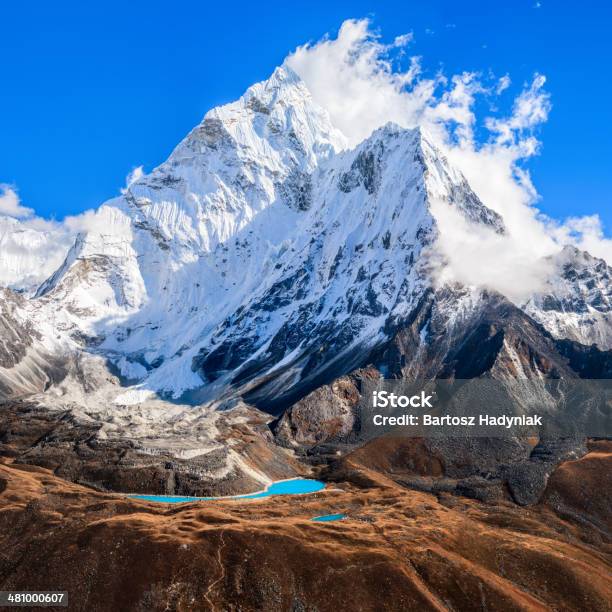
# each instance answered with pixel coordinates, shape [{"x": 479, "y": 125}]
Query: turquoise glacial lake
[
  {"x": 326, "y": 518},
  {"x": 295, "y": 486}
]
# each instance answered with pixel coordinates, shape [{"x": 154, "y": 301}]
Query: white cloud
[
  {"x": 585, "y": 233},
  {"x": 31, "y": 248},
  {"x": 474, "y": 255},
  {"x": 10, "y": 204},
  {"x": 88, "y": 220},
  {"x": 452, "y": 111},
  {"x": 352, "y": 76},
  {"x": 503, "y": 84},
  {"x": 355, "y": 77},
  {"x": 403, "y": 39},
  {"x": 531, "y": 108},
  {"x": 134, "y": 176}
]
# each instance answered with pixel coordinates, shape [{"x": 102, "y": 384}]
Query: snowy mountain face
[
  {"x": 264, "y": 258},
  {"x": 30, "y": 359},
  {"x": 354, "y": 270},
  {"x": 260, "y": 245},
  {"x": 28, "y": 256},
  {"x": 578, "y": 300}
]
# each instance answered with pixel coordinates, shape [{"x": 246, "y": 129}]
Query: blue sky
[{"x": 90, "y": 91}]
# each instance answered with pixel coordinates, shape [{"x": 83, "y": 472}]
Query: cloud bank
[
  {"x": 10, "y": 204},
  {"x": 31, "y": 248},
  {"x": 362, "y": 84}
]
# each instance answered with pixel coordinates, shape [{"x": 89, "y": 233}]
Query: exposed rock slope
[{"x": 396, "y": 550}]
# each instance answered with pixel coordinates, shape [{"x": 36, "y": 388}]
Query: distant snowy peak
[
  {"x": 29, "y": 255},
  {"x": 577, "y": 302}
]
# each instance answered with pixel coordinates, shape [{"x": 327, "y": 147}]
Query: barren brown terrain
[{"x": 398, "y": 549}]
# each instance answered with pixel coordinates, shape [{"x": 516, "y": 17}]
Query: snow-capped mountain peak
[
  {"x": 260, "y": 239},
  {"x": 577, "y": 301},
  {"x": 263, "y": 257},
  {"x": 275, "y": 123}
]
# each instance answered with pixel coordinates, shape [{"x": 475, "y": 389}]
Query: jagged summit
[
  {"x": 274, "y": 116},
  {"x": 577, "y": 300},
  {"x": 284, "y": 87}
]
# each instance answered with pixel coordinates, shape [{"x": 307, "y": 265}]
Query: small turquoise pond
[
  {"x": 328, "y": 517},
  {"x": 295, "y": 486}
]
